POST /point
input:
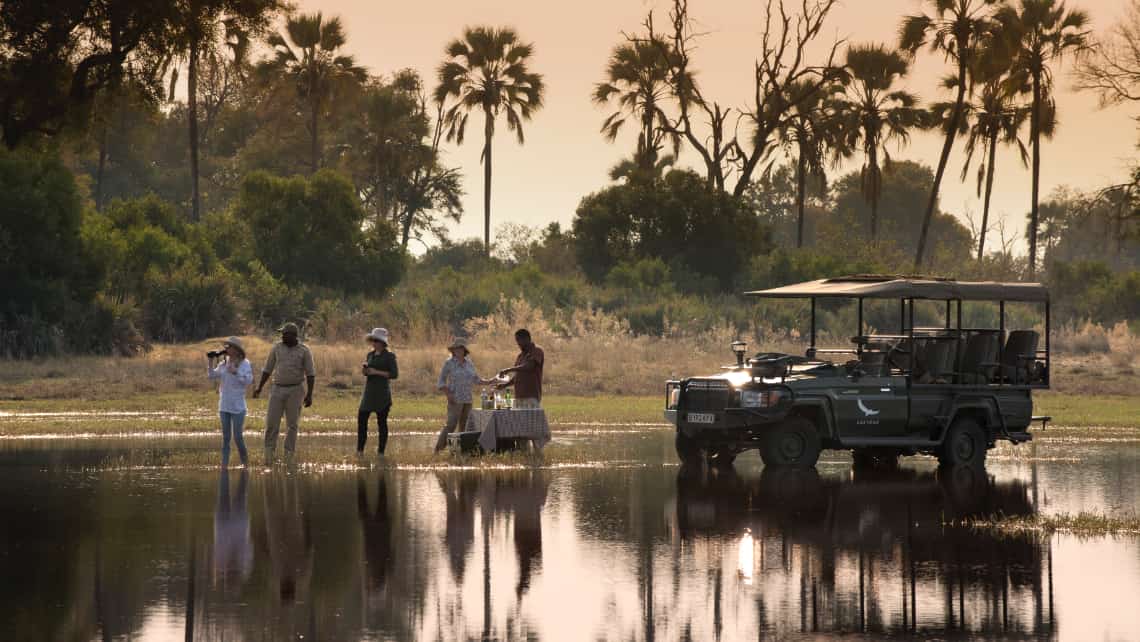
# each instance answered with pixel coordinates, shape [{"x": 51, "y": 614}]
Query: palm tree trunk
[
  {"x": 951, "y": 134},
  {"x": 874, "y": 168},
  {"x": 488, "y": 133},
  {"x": 801, "y": 170},
  {"x": 989, "y": 190},
  {"x": 192, "y": 118},
  {"x": 1035, "y": 135},
  {"x": 315, "y": 110}
]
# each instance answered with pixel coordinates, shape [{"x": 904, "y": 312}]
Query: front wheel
[
  {"x": 965, "y": 444},
  {"x": 794, "y": 442},
  {"x": 688, "y": 449}
]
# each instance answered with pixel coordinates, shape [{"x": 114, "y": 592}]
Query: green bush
[{"x": 187, "y": 305}]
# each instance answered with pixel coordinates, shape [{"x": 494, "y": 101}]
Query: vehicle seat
[
  {"x": 979, "y": 359},
  {"x": 937, "y": 362},
  {"x": 1018, "y": 357}
]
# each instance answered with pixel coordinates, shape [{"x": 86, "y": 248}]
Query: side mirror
[{"x": 739, "y": 348}]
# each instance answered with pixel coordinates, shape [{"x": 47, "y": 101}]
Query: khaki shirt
[{"x": 290, "y": 366}]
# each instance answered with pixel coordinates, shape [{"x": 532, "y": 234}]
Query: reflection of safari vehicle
[{"x": 951, "y": 391}]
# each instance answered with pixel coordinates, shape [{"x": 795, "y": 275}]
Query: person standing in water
[
  {"x": 379, "y": 369},
  {"x": 234, "y": 374},
  {"x": 291, "y": 364},
  {"x": 457, "y": 377}
]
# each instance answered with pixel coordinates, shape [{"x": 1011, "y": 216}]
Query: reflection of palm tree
[
  {"x": 874, "y": 113},
  {"x": 377, "y": 528},
  {"x": 1032, "y": 36},
  {"x": 308, "y": 55},
  {"x": 486, "y": 71}
]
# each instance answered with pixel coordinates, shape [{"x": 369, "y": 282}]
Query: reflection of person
[
  {"x": 527, "y": 372},
  {"x": 459, "y": 492},
  {"x": 456, "y": 380},
  {"x": 233, "y": 548},
  {"x": 235, "y": 374},
  {"x": 379, "y": 368},
  {"x": 377, "y": 528},
  {"x": 287, "y": 536},
  {"x": 291, "y": 363}
]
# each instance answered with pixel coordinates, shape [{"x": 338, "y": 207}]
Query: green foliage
[
  {"x": 187, "y": 305},
  {"x": 1091, "y": 290},
  {"x": 309, "y": 231},
  {"x": 703, "y": 232}
]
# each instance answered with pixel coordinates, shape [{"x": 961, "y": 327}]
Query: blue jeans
[{"x": 232, "y": 423}]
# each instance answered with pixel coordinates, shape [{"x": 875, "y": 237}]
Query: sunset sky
[{"x": 566, "y": 158}]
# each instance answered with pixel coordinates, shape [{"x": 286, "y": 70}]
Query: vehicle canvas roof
[{"x": 874, "y": 286}]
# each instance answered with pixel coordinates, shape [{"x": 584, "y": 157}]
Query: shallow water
[{"x": 614, "y": 544}]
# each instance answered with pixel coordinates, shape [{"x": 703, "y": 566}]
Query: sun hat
[
  {"x": 289, "y": 327},
  {"x": 378, "y": 334},
  {"x": 459, "y": 342},
  {"x": 235, "y": 342}
]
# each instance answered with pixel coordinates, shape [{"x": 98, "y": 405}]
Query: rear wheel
[
  {"x": 688, "y": 449},
  {"x": 965, "y": 444},
  {"x": 794, "y": 442}
]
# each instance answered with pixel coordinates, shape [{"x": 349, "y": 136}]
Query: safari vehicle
[{"x": 949, "y": 391}]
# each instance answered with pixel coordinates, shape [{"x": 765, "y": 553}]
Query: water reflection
[
  {"x": 873, "y": 553},
  {"x": 608, "y": 554}
]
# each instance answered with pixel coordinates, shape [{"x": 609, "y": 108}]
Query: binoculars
[{"x": 214, "y": 354}]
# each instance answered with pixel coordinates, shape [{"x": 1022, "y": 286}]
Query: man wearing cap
[
  {"x": 456, "y": 380},
  {"x": 291, "y": 364}
]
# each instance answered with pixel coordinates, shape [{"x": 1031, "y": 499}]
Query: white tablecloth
[{"x": 509, "y": 424}]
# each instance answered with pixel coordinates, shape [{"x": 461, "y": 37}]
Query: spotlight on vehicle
[{"x": 738, "y": 348}]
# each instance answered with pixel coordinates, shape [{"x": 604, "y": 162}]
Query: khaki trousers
[
  {"x": 285, "y": 400},
  {"x": 457, "y": 414}
]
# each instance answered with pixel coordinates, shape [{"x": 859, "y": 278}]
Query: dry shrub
[
  {"x": 1125, "y": 346},
  {"x": 1090, "y": 338}
]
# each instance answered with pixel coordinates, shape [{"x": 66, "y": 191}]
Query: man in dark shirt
[{"x": 527, "y": 372}]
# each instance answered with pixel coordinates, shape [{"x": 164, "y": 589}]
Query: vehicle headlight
[{"x": 760, "y": 398}]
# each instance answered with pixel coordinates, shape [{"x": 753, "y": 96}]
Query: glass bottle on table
[{"x": 510, "y": 399}]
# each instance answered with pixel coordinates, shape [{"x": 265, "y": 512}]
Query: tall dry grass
[{"x": 587, "y": 351}]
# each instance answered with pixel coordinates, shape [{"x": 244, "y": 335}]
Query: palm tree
[
  {"x": 308, "y": 55},
  {"x": 637, "y": 79},
  {"x": 955, "y": 30},
  {"x": 637, "y": 169},
  {"x": 216, "y": 32},
  {"x": 487, "y": 71},
  {"x": 810, "y": 130},
  {"x": 994, "y": 117},
  {"x": 1032, "y": 36},
  {"x": 872, "y": 113}
]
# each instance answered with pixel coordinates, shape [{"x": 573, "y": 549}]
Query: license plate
[{"x": 701, "y": 418}]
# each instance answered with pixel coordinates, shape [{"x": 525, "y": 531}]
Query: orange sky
[{"x": 565, "y": 157}]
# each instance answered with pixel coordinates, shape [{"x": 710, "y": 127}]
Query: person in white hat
[
  {"x": 379, "y": 368},
  {"x": 230, "y": 367},
  {"x": 457, "y": 377}
]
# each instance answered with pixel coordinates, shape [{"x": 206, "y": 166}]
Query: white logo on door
[{"x": 866, "y": 411}]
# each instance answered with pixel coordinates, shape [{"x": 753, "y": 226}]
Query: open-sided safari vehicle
[{"x": 950, "y": 391}]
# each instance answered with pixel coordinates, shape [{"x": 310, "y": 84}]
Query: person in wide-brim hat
[
  {"x": 379, "y": 369},
  {"x": 457, "y": 378}
]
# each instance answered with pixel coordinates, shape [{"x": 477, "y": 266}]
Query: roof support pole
[
  {"x": 1001, "y": 338},
  {"x": 813, "y": 323},
  {"x": 947, "y": 314},
  {"x": 859, "y": 346},
  {"x": 1047, "y": 352}
]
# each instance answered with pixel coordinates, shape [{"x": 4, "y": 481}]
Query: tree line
[{"x": 176, "y": 167}]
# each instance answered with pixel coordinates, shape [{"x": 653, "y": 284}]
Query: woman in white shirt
[{"x": 234, "y": 373}]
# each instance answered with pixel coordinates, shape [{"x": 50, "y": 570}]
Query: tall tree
[
  {"x": 308, "y": 54},
  {"x": 1113, "y": 70},
  {"x": 1034, "y": 35},
  {"x": 637, "y": 79},
  {"x": 487, "y": 70},
  {"x": 954, "y": 29},
  {"x": 214, "y": 30},
  {"x": 993, "y": 117},
  {"x": 809, "y": 132},
  {"x": 873, "y": 113}
]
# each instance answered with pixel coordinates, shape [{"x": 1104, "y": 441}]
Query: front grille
[{"x": 707, "y": 394}]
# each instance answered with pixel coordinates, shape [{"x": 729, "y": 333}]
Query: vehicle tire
[
  {"x": 874, "y": 459},
  {"x": 965, "y": 444},
  {"x": 688, "y": 449},
  {"x": 794, "y": 442}
]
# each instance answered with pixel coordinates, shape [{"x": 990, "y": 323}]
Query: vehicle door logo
[{"x": 867, "y": 412}]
